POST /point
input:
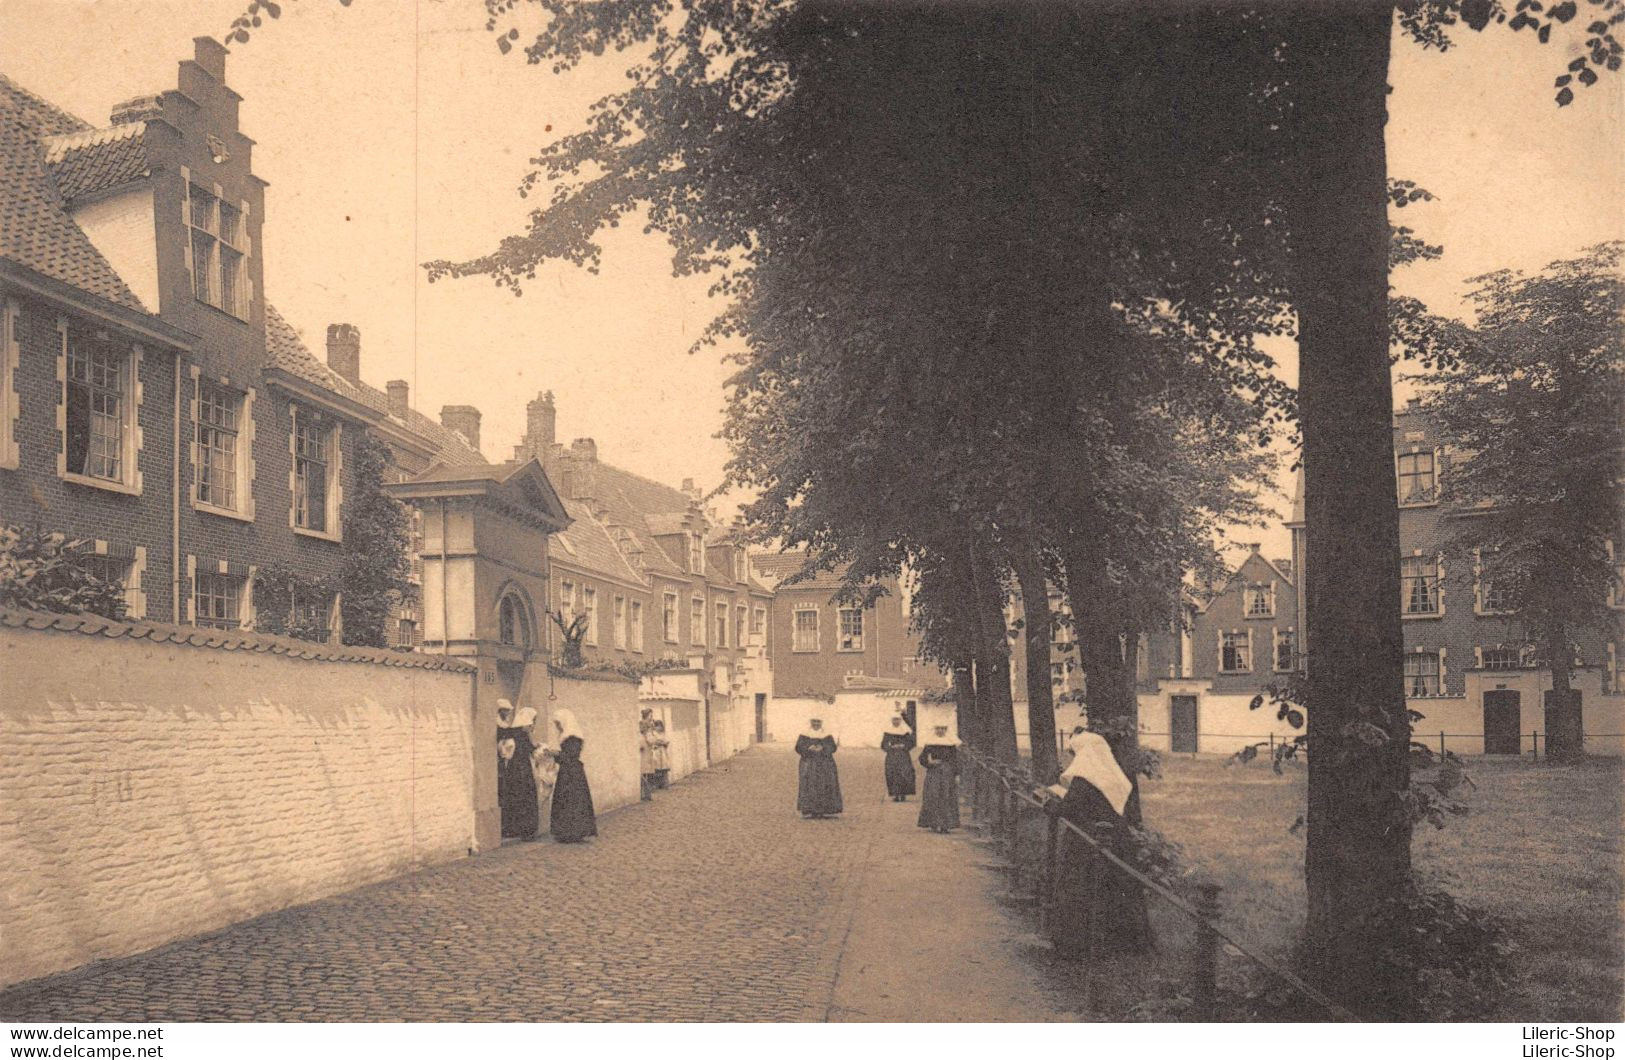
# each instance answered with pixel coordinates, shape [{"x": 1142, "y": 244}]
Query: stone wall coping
[{"x": 224, "y": 640}]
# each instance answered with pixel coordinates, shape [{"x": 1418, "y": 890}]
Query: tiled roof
[
  {"x": 777, "y": 566},
  {"x": 35, "y": 230},
  {"x": 225, "y": 640},
  {"x": 84, "y": 163},
  {"x": 587, "y": 544},
  {"x": 287, "y": 351}
]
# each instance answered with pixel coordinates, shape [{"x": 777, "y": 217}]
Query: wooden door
[
  {"x": 1182, "y": 716},
  {"x": 1502, "y": 715}
]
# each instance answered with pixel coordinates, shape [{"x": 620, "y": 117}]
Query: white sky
[{"x": 393, "y": 132}]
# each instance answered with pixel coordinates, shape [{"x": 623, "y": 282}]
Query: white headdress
[
  {"x": 947, "y": 739},
  {"x": 525, "y": 718},
  {"x": 1094, "y": 764},
  {"x": 814, "y": 734},
  {"x": 565, "y": 724},
  {"x": 899, "y": 724}
]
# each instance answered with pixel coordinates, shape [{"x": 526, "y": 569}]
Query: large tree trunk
[
  {"x": 1565, "y": 738},
  {"x": 1359, "y": 836},
  {"x": 993, "y": 695},
  {"x": 1036, "y": 618}
]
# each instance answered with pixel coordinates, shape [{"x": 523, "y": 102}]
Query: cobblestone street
[{"x": 714, "y": 902}]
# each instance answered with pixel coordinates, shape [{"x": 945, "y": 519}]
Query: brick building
[{"x": 151, "y": 399}]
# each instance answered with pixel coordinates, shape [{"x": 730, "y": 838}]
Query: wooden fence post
[{"x": 1205, "y": 964}]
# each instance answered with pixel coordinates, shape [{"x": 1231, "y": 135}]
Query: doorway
[
  {"x": 1182, "y": 727},
  {"x": 1503, "y": 713},
  {"x": 910, "y": 713},
  {"x": 761, "y": 717}
]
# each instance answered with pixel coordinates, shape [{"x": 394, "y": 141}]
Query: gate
[
  {"x": 1502, "y": 718},
  {"x": 1183, "y": 724}
]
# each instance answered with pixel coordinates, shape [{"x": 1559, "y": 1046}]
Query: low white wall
[
  {"x": 857, "y": 718},
  {"x": 608, "y": 713},
  {"x": 150, "y": 791}
]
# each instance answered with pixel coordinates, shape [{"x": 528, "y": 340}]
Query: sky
[{"x": 392, "y": 132}]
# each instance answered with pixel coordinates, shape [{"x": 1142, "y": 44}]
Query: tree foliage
[
  {"x": 46, "y": 571},
  {"x": 374, "y": 572}
]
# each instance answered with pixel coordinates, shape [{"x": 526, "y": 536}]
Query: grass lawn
[{"x": 1541, "y": 848}]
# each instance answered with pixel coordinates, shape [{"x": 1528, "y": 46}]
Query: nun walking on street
[
  {"x": 572, "y": 818},
  {"x": 516, "y": 778},
  {"x": 819, "y": 792},
  {"x": 897, "y": 741},
  {"x": 939, "y": 806},
  {"x": 1097, "y": 908}
]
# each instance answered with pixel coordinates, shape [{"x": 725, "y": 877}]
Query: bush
[{"x": 49, "y": 572}]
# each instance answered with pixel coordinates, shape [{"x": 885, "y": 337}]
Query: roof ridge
[
  {"x": 39, "y": 100},
  {"x": 57, "y": 145}
]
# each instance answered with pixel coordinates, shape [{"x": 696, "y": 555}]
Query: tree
[
  {"x": 1534, "y": 399},
  {"x": 373, "y": 574}
]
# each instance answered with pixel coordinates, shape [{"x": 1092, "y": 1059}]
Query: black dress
[
  {"x": 939, "y": 806},
  {"x": 573, "y": 818},
  {"x": 899, "y": 767},
  {"x": 819, "y": 791},
  {"x": 516, "y": 786},
  {"x": 1098, "y": 908}
]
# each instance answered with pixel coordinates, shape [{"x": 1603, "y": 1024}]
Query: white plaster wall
[
  {"x": 149, "y": 792},
  {"x": 121, "y": 227},
  {"x": 608, "y": 712}
]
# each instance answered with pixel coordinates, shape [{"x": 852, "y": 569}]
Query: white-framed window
[
  {"x": 222, "y": 448},
  {"x": 1235, "y": 651},
  {"x": 10, "y": 357},
  {"x": 620, "y": 622},
  {"x": 851, "y": 635},
  {"x": 668, "y": 618},
  {"x": 567, "y": 600},
  {"x": 741, "y": 625},
  {"x": 1418, "y": 479},
  {"x": 696, "y": 554},
  {"x": 635, "y": 624},
  {"x": 217, "y": 249},
  {"x": 758, "y": 621},
  {"x": 696, "y": 620},
  {"x": 315, "y": 445},
  {"x": 804, "y": 629},
  {"x": 1419, "y": 585},
  {"x": 1491, "y": 595},
  {"x": 1260, "y": 600},
  {"x": 589, "y": 607},
  {"x": 1501, "y": 658},
  {"x": 100, "y": 402},
  {"x": 121, "y": 566},
  {"x": 217, "y": 600},
  {"x": 1285, "y": 651},
  {"x": 1616, "y": 591},
  {"x": 407, "y": 634},
  {"x": 1423, "y": 673},
  {"x": 1614, "y": 679},
  {"x": 722, "y": 623}
]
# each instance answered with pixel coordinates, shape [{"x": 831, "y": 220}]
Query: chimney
[
  {"x": 584, "y": 449},
  {"x": 1284, "y": 566},
  {"x": 211, "y": 55},
  {"x": 344, "y": 351},
  {"x": 464, "y": 419},
  {"x": 692, "y": 490},
  {"x": 540, "y": 422},
  {"x": 140, "y": 108},
  {"x": 397, "y": 391}
]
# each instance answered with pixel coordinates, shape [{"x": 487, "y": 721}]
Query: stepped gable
[
  {"x": 35, "y": 229},
  {"x": 287, "y": 351}
]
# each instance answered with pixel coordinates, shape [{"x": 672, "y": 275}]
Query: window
[
  {"x": 98, "y": 414},
  {"x": 722, "y": 624},
  {"x": 1419, "y": 585},
  {"x": 758, "y": 621},
  {"x": 1261, "y": 601},
  {"x": 636, "y": 623},
  {"x": 406, "y": 634},
  {"x": 312, "y": 471},
  {"x": 1422, "y": 673},
  {"x": 218, "y": 446},
  {"x": 1614, "y": 678},
  {"x": 217, "y": 601},
  {"x": 567, "y": 600},
  {"x": 741, "y": 566},
  {"x": 1236, "y": 652},
  {"x": 696, "y": 620},
  {"x": 218, "y": 246},
  {"x": 311, "y": 619},
  {"x": 696, "y": 554},
  {"x": 741, "y": 625},
  {"x": 1501, "y": 658},
  {"x": 10, "y": 356},
  {"x": 1416, "y": 478},
  {"x": 1616, "y": 591},
  {"x": 805, "y": 629},
  {"x": 1284, "y": 660},
  {"x": 620, "y": 622},
  {"x": 851, "y": 629},
  {"x": 668, "y": 618},
  {"x": 589, "y": 607}
]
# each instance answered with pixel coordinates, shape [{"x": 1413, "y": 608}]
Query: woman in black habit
[
  {"x": 516, "y": 776},
  {"x": 897, "y": 741},
  {"x": 939, "y": 806},
  {"x": 572, "y": 819},
  {"x": 819, "y": 792},
  {"x": 1098, "y": 910}
]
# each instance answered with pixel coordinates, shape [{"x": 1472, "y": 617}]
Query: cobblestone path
[{"x": 714, "y": 902}]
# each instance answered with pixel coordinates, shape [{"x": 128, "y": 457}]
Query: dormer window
[
  {"x": 696, "y": 554},
  {"x": 217, "y": 249},
  {"x": 1261, "y": 601}
]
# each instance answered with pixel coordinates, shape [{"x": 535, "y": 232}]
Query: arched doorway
[{"x": 516, "y": 635}]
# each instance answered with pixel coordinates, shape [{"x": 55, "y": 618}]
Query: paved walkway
[{"x": 714, "y": 902}]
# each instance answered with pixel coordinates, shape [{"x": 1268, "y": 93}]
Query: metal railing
[
  {"x": 1002, "y": 794},
  {"x": 1530, "y": 743}
]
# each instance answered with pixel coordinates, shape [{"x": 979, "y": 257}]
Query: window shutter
[{"x": 186, "y": 225}]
